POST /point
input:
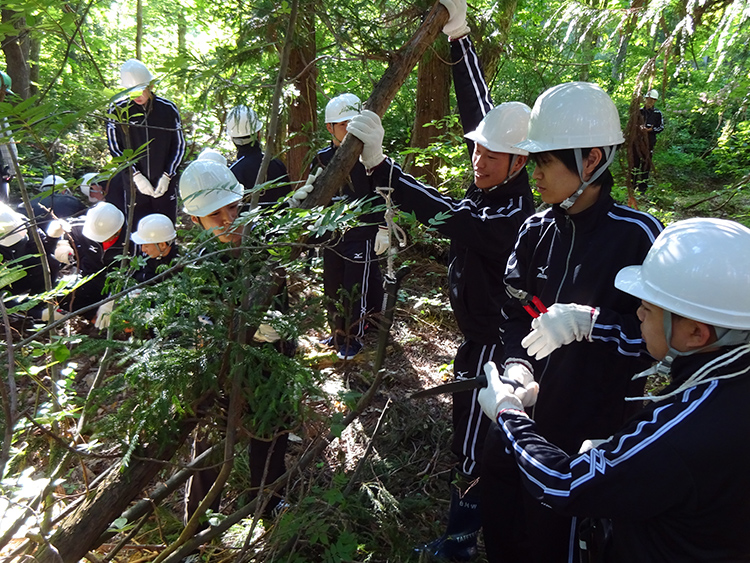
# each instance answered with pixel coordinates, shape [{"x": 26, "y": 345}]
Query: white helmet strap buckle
[{"x": 609, "y": 155}]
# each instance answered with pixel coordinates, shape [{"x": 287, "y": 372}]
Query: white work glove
[
  {"x": 498, "y": 396},
  {"x": 143, "y": 185},
  {"x": 367, "y": 128},
  {"x": 162, "y": 185},
  {"x": 456, "y": 26},
  {"x": 57, "y": 227},
  {"x": 382, "y": 241},
  {"x": 520, "y": 371},
  {"x": 58, "y": 314},
  {"x": 299, "y": 195},
  {"x": 103, "y": 313},
  {"x": 266, "y": 333},
  {"x": 587, "y": 445},
  {"x": 64, "y": 253},
  {"x": 561, "y": 324}
]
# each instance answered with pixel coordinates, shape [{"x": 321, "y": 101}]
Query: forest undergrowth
[{"x": 375, "y": 493}]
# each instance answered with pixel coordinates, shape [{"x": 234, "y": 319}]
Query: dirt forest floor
[{"x": 397, "y": 454}]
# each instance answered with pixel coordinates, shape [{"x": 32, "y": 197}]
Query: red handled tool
[{"x": 533, "y": 304}]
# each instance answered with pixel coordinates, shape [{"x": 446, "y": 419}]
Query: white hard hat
[
  {"x": 212, "y": 154},
  {"x": 12, "y": 226},
  {"x": 342, "y": 108},
  {"x": 653, "y": 94},
  {"x": 242, "y": 122},
  {"x": 134, "y": 74},
  {"x": 699, "y": 269},
  {"x": 53, "y": 180},
  {"x": 503, "y": 127},
  {"x": 206, "y": 186},
  {"x": 102, "y": 222},
  {"x": 154, "y": 228},
  {"x": 573, "y": 115}
]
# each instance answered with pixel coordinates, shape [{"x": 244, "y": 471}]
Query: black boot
[{"x": 459, "y": 542}]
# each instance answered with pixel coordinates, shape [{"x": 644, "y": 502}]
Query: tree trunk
[
  {"x": 181, "y": 34},
  {"x": 492, "y": 37},
  {"x": 589, "y": 52},
  {"x": 35, "y": 49},
  {"x": 81, "y": 531},
  {"x": 433, "y": 90},
  {"x": 636, "y": 7},
  {"x": 303, "y": 109},
  {"x": 15, "y": 58},
  {"x": 138, "y": 28}
]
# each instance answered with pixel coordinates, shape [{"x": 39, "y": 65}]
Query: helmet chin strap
[
  {"x": 510, "y": 176},
  {"x": 609, "y": 154},
  {"x": 726, "y": 337}
]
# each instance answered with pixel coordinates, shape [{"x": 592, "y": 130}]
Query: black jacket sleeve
[
  {"x": 472, "y": 93},
  {"x": 487, "y": 229}
]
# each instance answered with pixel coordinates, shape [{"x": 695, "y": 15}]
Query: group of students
[
  {"x": 560, "y": 309},
  {"x": 566, "y": 256},
  {"x": 211, "y": 192},
  {"x": 151, "y": 126}
]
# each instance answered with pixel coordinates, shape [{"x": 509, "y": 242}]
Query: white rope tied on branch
[{"x": 394, "y": 231}]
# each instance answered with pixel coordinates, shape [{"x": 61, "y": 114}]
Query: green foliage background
[{"x": 210, "y": 57}]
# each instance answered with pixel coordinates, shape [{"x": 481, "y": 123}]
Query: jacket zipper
[
  {"x": 148, "y": 152},
  {"x": 557, "y": 295}
]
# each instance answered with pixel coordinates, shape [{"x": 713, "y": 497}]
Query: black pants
[
  {"x": 262, "y": 455},
  {"x": 265, "y": 458},
  {"x": 353, "y": 286},
  {"x": 517, "y": 527},
  {"x": 642, "y": 170},
  {"x": 469, "y": 423}
]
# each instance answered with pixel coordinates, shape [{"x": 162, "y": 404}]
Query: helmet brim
[
  {"x": 206, "y": 210},
  {"x": 630, "y": 280},
  {"x": 140, "y": 240},
  {"x": 533, "y": 146},
  {"x": 480, "y": 139}
]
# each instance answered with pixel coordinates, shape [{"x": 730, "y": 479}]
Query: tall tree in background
[
  {"x": 303, "y": 105},
  {"x": 432, "y": 104},
  {"x": 139, "y": 29},
  {"x": 16, "y": 49}
]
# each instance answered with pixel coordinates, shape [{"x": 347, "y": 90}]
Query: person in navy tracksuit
[
  {"x": 482, "y": 227},
  {"x": 652, "y": 123},
  {"x": 243, "y": 128},
  {"x": 18, "y": 249},
  {"x": 671, "y": 483},
  {"x": 96, "y": 246},
  {"x": 152, "y": 121},
  {"x": 352, "y": 280},
  {"x": 567, "y": 256}
]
